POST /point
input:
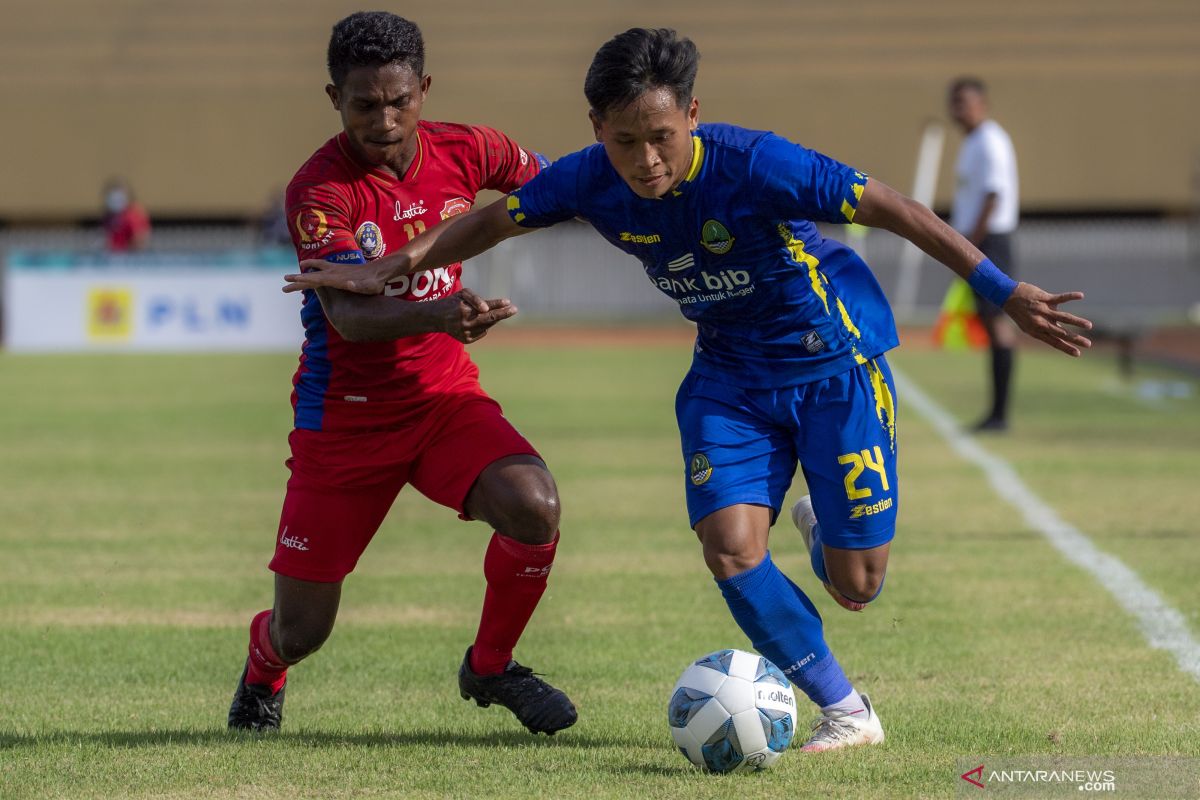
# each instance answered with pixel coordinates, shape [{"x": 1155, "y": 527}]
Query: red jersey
[
  {"x": 126, "y": 227},
  {"x": 344, "y": 210}
]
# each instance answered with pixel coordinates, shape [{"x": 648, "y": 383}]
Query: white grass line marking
[{"x": 1163, "y": 626}]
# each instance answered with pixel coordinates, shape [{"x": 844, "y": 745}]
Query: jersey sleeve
[
  {"x": 552, "y": 196},
  {"x": 798, "y": 182},
  {"x": 318, "y": 217},
  {"x": 505, "y": 164}
]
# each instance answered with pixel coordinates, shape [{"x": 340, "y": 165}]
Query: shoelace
[
  {"x": 528, "y": 681},
  {"x": 258, "y": 707},
  {"x": 830, "y": 729}
]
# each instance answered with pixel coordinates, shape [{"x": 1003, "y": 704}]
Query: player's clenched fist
[{"x": 470, "y": 317}]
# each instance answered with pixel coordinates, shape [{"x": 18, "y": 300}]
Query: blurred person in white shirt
[{"x": 985, "y": 211}]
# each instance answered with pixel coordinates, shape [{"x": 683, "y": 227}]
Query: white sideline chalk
[{"x": 1163, "y": 626}]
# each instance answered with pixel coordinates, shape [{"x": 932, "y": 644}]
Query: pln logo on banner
[{"x": 109, "y": 314}]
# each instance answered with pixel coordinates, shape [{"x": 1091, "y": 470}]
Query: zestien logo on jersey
[{"x": 640, "y": 238}]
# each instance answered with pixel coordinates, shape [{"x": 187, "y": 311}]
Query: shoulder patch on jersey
[
  {"x": 716, "y": 237},
  {"x": 370, "y": 240},
  {"x": 312, "y": 227},
  {"x": 458, "y": 205}
]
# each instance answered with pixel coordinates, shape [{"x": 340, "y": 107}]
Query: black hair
[
  {"x": 639, "y": 59},
  {"x": 373, "y": 39},
  {"x": 970, "y": 83}
]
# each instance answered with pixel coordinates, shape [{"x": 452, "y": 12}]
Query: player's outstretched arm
[
  {"x": 1033, "y": 309},
  {"x": 464, "y": 315},
  {"x": 454, "y": 240}
]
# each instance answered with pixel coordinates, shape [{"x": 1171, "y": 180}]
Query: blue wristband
[{"x": 991, "y": 283}]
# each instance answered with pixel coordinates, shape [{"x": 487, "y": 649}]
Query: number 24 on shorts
[{"x": 859, "y": 462}]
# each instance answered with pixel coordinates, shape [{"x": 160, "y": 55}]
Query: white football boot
[
  {"x": 836, "y": 730},
  {"x": 805, "y": 519}
]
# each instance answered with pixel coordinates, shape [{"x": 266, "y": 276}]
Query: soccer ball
[{"x": 732, "y": 711}]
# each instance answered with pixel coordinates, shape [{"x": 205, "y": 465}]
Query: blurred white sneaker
[
  {"x": 836, "y": 730},
  {"x": 805, "y": 519}
]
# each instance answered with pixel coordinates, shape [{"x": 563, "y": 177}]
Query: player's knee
[
  {"x": 298, "y": 639},
  {"x": 862, "y": 586},
  {"x": 519, "y": 498},
  {"x": 534, "y": 517},
  {"x": 725, "y": 561}
]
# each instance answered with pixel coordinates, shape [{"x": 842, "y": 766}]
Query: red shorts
[{"x": 343, "y": 484}]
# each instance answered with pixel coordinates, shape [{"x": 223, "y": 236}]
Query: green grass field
[{"x": 139, "y": 502}]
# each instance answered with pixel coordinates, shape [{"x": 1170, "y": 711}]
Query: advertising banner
[{"x": 165, "y": 302}]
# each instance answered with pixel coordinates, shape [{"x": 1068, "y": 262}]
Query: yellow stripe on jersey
[
  {"x": 796, "y": 248},
  {"x": 697, "y": 159},
  {"x": 818, "y": 281},
  {"x": 848, "y": 210},
  {"x": 693, "y": 168},
  {"x": 849, "y": 323},
  {"x": 513, "y": 204},
  {"x": 885, "y": 404}
]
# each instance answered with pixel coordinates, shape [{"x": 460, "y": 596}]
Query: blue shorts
[{"x": 742, "y": 446}]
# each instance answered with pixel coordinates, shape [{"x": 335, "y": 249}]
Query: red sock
[
  {"x": 516, "y": 577},
  {"x": 265, "y": 664}
]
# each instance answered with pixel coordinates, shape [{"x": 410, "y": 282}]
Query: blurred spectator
[
  {"x": 985, "y": 212},
  {"x": 125, "y": 221},
  {"x": 273, "y": 224}
]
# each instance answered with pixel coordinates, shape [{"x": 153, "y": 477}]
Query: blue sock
[
  {"x": 784, "y": 626},
  {"x": 817, "y": 556}
]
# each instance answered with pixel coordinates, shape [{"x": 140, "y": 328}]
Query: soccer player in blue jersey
[{"x": 792, "y": 329}]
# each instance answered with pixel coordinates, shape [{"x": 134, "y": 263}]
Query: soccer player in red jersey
[{"x": 385, "y": 394}]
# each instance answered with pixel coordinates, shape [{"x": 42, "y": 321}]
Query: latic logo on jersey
[
  {"x": 716, "y": 237},
  {"x": 459, "y": 205},
  {"x": 312, "y": 228},
  {"x": 404, "y": 212},
  {"x": 700, "y": 469},
  {"x": 370, "y": 240}
]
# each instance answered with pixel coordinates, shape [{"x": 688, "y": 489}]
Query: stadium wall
[{"x": 208, "y": 108}]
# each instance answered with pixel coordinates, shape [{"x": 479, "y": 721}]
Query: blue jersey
[{"x": 775, "y": 304}]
